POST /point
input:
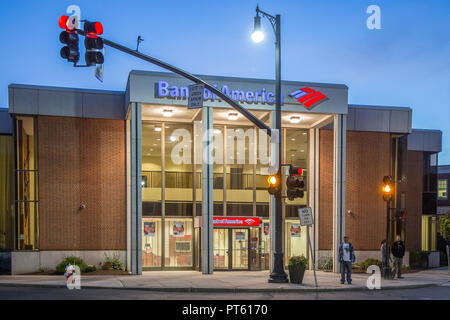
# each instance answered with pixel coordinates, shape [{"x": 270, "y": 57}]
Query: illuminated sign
[
  {"x": 309, "y": 97},
  {"x": 165, "y": 90},
  {"x": 236, "y": 222}
]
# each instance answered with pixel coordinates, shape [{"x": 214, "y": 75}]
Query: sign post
[
  {"x": 196, "y": 96},
  {"x": 306, "y": 219}
]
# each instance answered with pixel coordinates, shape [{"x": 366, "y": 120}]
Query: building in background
[{"x": 95, "y": 172}]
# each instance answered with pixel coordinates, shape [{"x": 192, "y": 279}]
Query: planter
[{"x": 296, "y": 273}]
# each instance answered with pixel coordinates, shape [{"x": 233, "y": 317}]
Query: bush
[
  {"x": 74, "y": 261},
  {"x": 418, "y": 259},
  {"x": 369, "y": 262},
  {"x": 298, "y": 261},
  {"x": 327, "y": 264},
  {"x": 90, "y": 268},
  {"x": 113, "y": 262}
]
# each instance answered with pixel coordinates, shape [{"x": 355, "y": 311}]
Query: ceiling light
[
  {"x": 158, "y": 129},
  {"x": 167, "y": 112},
  {"x": 232, "y": 116},
  {"x": 172, "y": 139},
  {"x": 304, "y": 133},
  {"x": 217, "y": 131},
  {"x": 295, "y": 119}
]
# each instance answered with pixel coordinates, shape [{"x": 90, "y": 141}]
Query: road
[{"x": 36, "y": 293}]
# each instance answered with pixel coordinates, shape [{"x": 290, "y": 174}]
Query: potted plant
[{"x": 297, "y": 266}]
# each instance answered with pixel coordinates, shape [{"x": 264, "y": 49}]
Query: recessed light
[
  {"x": 167, "y": 112},
  {"x": 293, "y": 139},
  {"x": 295, "y": 119},
  {"x": 302, "y": 150},
  {"x": 158, "y": 129},
  {"x": 232, "y": 116},
  {"x": 154, "y": 144},
  {"x": 172, "y": 139},
  {"x": 217, "y": 131},
  {"x": 304, "y": 133}
]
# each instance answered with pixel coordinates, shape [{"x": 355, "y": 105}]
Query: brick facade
[
  {"x": 367, "y": 164},
  {"x": 81, "y": 161}
]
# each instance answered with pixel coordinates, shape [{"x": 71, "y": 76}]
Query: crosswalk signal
[
  {"x": 388, "y": 188},
  {"x": 71, "y": 50},
  {"x": 274, "y": 185},
  {"x": 293, "y": 184},
  {"x": 93, "y": 43}
]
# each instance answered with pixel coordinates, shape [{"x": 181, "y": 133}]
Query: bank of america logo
[
  {"x": 249, "y": 221},
  {"x": 309, "y": 97}
]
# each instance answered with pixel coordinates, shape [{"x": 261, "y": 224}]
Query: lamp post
[{"x": 277, "y": 275}]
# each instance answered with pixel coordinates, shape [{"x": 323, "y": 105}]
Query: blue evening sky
[{"x": 406, "y": 63}]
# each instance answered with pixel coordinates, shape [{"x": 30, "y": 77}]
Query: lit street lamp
[{"x": 277, "y": 274}]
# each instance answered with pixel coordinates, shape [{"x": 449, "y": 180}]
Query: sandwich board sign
[
  {"x": 196, "y": 96},
  {"x": 305, "y": 215}
]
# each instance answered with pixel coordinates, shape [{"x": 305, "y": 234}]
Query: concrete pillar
[
  {"x": 339, "y": 134},
  {"x": 313, "y": 190},
  {"x": 207, "y": 192},
  {"x": 136, "y": 188}
]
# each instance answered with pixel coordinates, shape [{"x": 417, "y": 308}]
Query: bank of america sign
[{"x": 308, "y": 97}]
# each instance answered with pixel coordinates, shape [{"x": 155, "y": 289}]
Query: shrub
[
  {"x": 113, "y": 262},
  {"x": 327, "y": 264},
  {"x": 75, "y": 261},
  {"x": 368, "y": 262},
  {"x": 90, "y": 268},
  {"x": 418, "y": 259},
  {"x": 298, "y": 261}
]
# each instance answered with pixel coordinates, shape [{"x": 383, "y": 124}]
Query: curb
[{"x": 227, "y": 290}]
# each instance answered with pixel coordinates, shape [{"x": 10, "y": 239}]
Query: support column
[
  {"x": 207, "y": 191},
  {"x": 339, "y": 157},
  {"x": 136, "y": 188},
  {"x": 313, "y": 190}
]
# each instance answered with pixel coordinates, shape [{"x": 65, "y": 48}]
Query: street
[{"x": 39, "y": 293}]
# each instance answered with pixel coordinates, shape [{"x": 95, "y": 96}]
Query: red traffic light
[
  {"x": 295, "y": 170},
  {"x": 93, "y": 28},
  {"x": 63, "y": 22}
]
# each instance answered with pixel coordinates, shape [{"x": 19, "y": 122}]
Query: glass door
[
  {"x": 220, "y": 249},
  {"x": 240, "y": 248}
]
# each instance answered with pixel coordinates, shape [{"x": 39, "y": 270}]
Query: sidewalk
[{"x": 235, "y": 281}]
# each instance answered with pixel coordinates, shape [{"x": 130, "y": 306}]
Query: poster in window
[
  {"x": 266, "y": 230},
  {"x": 149, "y": 228},
  {"x": 295, "y": 230},
  {"x": 240, "y": 235},
  {"x": 178, "y": 229}
]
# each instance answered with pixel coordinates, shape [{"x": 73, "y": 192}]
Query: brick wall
[
  {"x": 81, "y": 161},
  {"x": 367, "y": 164}
]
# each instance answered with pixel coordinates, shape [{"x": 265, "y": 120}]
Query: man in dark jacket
[{"x": 398, "y": 251}]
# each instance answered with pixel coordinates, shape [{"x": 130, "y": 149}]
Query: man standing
[
  {"x": 398, "y": 251},
  {"x": 346, "y": 257}
]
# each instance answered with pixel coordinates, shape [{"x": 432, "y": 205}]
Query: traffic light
[
  {"x": 93, "y": 43},
  {"x": 293, "y": 184},
  {"x": 71, "y": 50},
  {"x": 388, "y": 189},
  {"x": 274, "y": 185}
]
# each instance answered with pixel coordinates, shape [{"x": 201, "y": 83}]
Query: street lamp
[{"x": 277, "y": 275}]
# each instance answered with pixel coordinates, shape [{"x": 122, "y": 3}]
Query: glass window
[
  {"x": 295, "y": 239},
  {"x": 442, "y": 189},
  {"x": 178, "y": 169},
  {"x": 151, "y": 168},
  {"x": 178, "y": 242},
  {"x": 6, "y": 192},
  {"x": 27, "y": 185},
  {"x": 265, "y": 245},
  {"x": 151, "y": 242}
]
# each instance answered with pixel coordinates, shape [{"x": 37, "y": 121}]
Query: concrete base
[
  {"x": 434, "y": 259},
  {"x": 31, "y": 261}
]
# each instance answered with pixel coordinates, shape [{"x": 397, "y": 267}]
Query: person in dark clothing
[
  {"x": 385, "y": 259},
  {"x": 398, "y": 251}
]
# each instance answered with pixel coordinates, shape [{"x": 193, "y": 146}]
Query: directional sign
[
  {"x": 196, "y": 96},
  {"x": 305, "y": 215}
]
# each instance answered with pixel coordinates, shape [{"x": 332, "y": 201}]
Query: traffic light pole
[{"x": 387, "y": 268}]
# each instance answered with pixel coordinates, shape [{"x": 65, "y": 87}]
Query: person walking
[
  {"x": 398, "y": 251},
  {"x": 385, "y": 258},
  {"x": 346, "y": 257}
]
